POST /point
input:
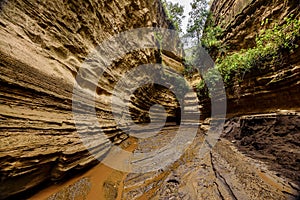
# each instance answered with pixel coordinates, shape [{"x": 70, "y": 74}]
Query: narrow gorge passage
[{"x": 103, "y": 100}]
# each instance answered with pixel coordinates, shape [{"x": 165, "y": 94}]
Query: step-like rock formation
[{"x": 43, "y": 46}]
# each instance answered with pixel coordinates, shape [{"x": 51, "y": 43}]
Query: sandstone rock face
[
  {"x": 275, "y": 86},
  {"x": 43, "y": 45},
  {"x": 242, "y": 19}
]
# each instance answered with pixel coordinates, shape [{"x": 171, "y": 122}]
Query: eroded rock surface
[
  {"x": 271, "y": 85},
  {"x": 43, "y": 45},
  {"x": 272, "y": 138},
  {"x": 242, "y": 19},
  {"x": 224, "y": 173}
]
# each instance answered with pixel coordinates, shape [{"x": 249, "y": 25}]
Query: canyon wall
[
  {"x": 263, "y": 107},
  {"x": 43, "y": 45},
  {"x": 274, "y": 86},
  {"x": 242, "y": 20}
]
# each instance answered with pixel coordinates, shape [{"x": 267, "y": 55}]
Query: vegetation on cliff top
[{"x": 270, "y": 44}]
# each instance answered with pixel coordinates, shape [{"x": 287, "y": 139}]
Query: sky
[{"x": 187, "y": 9}]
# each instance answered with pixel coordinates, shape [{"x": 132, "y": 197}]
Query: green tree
[
  {"x": 175, "y": 13},
  {"x": 197, "y": 19}
]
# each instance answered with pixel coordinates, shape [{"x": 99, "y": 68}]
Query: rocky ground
[
  {"x": 271, "y": 138},
  {"x": 224, "y": 173}
]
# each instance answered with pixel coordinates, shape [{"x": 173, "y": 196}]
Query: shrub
[{"x": 269, "y": 45}]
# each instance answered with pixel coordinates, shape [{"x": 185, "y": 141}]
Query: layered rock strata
[
  {"x": 263, "y": 107},
  {"x": 272, "y": 85},
  {"x": 242, "y": 20},
  {"x": 43, "y": 46}
]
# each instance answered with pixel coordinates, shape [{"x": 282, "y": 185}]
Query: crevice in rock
[{"x": 222, "y": 179}]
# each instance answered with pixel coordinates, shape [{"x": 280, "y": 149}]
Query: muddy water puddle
[{"x": 101, "y": 183}]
